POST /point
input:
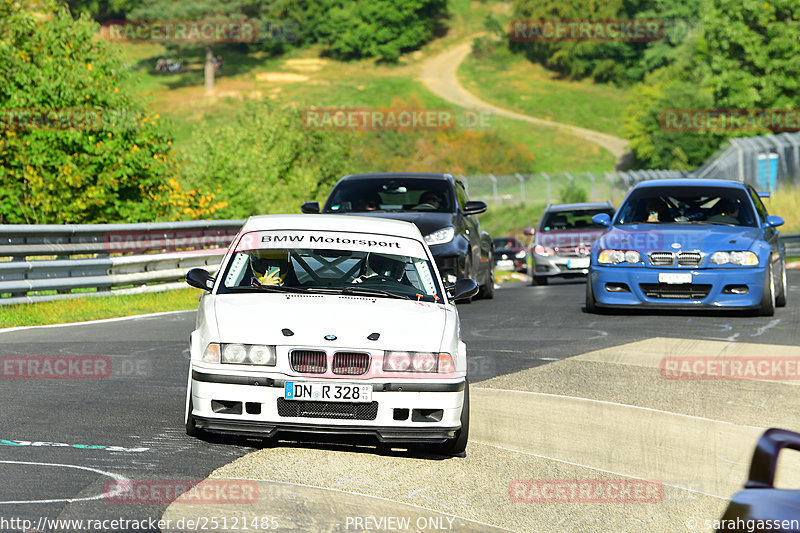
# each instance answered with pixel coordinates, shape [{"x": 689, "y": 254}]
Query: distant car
[
  {"x": 439, "y": 206},
  {"x": 510, "y": 255},
  {"x": 563, "y": 239},
  {"x": 329, "y": 324},
  {"x": 687, "y": 244},
  {"x": 760, "y": 502}
]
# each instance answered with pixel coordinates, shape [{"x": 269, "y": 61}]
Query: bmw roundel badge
[{"x": 330, "y": 337}]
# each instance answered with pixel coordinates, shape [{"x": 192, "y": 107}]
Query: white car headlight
[
  {"x": 442, "y": 236},
  {"x": 262, "y": 355},
  {"x": 240, "y": 354},
  {"x": 234, "y": 353},
  {"x": 614, "y": 257},
  {"x": 741, "y": 258},
  {"x": 424, "y": 362},
  {"x": 521, "y": 254}
]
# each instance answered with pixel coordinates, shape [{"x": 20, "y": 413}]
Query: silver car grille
[
  {"x": 661, "y": 258},
  {"x": 689, "y": 259}
]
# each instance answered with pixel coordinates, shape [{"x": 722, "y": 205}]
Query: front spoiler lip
[
  {"x": 270, "y": 429},
  {"x": 678, "y": 307},
  {"x": 396, "y": 386}
]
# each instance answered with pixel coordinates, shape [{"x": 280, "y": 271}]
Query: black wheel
[
  {"x": 487, "y": 290},
  {"x": 191, "y": 427},
  {"x": 768, "y": 295},
  {"x": 458, "y": 444},
  {"x": 467, "y": 273},
  {"x": 539, "y": 280},
  {"x": 591, "y": 304},
  {"x": 780, "y": 295}
]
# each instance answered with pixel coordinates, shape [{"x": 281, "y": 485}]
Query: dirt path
[{"x": 438, "y": 74}]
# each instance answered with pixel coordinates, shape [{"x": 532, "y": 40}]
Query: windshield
[
  {"x": 333, "y": 263},
  {"x": 505, "y": 243},
  {"x": 667, "y": 205},
  {"x": 575, "y": 219},
  {"x": 392, "y": 194}
]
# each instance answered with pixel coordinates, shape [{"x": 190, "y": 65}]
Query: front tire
[
  {"x": 768, "y": 295},
  {"x": 780, "y": 296},
  {"x": 458, "y": 445},
  {"x": 591, "y": 303},
  {"x": 191, "y": 425},
  {"x": 487, "y": 290}
]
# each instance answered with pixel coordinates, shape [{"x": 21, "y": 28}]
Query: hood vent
[
  {"x": 287, "y": 332},
  {"x": 374, "y": 336}
]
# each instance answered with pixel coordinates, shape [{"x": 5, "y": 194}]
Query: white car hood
[{"x": 260, "y": 319}]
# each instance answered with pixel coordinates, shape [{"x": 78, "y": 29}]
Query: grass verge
[{"x": 94, "y": 308}]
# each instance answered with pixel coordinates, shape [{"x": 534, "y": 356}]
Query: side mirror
[
  {"x": 200, "y": 278},
  {"x": 772, "y": 221},
  {"x": 602, "y": 219},
  {"x": 310, "y": 207},
  {"x": 464, "y": 288},
  {"x": 529, "y": 231},
  {"x": 475, "y": 207}
]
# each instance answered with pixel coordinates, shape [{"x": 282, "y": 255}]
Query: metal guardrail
[
  {"x": 49, "y": 262},
  {"x": 792, "y": 243}
]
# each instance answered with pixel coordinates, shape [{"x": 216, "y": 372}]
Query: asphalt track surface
[{"x": 556, "y": 394}]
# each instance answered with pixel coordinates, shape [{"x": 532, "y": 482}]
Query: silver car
[{"x": 564, "y": 239}]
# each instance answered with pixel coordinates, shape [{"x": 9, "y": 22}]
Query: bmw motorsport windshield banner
[{"x": 331, "y": 240}]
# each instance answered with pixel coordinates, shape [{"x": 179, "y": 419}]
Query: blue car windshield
[{"x": 688, "y": 205}]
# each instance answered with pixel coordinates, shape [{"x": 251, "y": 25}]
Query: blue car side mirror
[
  {"x": 773, "y": 222},
  {"x": 602, "y": 219}
]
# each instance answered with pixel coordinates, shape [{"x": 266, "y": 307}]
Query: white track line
[
  {"x": 650, "y": 409},
  {"x": 100, "y": 321},
  {"x": 115, "y": 477},
  {"x": 594, "y": 468}
]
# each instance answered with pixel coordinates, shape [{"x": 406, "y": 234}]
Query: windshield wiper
[{"x": 366, "y": 291}]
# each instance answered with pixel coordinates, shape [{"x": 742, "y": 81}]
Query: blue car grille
[{"x": 661, "y": 258}]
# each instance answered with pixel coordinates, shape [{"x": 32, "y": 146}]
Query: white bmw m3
[{"x": 329, "y": 324}]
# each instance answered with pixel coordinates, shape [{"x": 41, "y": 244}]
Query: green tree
[
  {"x": 382, "y": 29},
  {"x": 744, "y": 56},
  {"x": 111, "y": 163}
]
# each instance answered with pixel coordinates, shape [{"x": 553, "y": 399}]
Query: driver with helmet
[{"x": 269, "y": 267}]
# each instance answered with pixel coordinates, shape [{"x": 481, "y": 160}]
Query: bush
[
  {"x": 264, "y": 161},
  {"x": 572, "y": 194}
]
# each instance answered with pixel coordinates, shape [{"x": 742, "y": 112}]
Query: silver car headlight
[
  {"x": 742, "y": 258},
  {"x": 442, "y": 236}
]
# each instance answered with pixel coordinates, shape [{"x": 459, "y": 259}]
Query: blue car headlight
[
  {"x": 614, "y": 257},
  {"x": 442, "y": 236},
  {"x": 741, "y": 258}
]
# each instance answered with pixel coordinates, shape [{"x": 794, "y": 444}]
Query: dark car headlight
[
  {"x": 614, "y": 257},
  {"x": 442, "y": 236}
]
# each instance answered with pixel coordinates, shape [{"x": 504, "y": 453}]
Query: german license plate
[
  {"x": 674, "y": 278},
  {"x": 582, "y": 262},
  {"x": 327, "y": 392}
]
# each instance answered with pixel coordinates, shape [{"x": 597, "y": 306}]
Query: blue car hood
[{"x": 703, "y": 237}]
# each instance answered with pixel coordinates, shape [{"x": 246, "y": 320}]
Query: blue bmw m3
[{"x": 686, "y": 244}]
